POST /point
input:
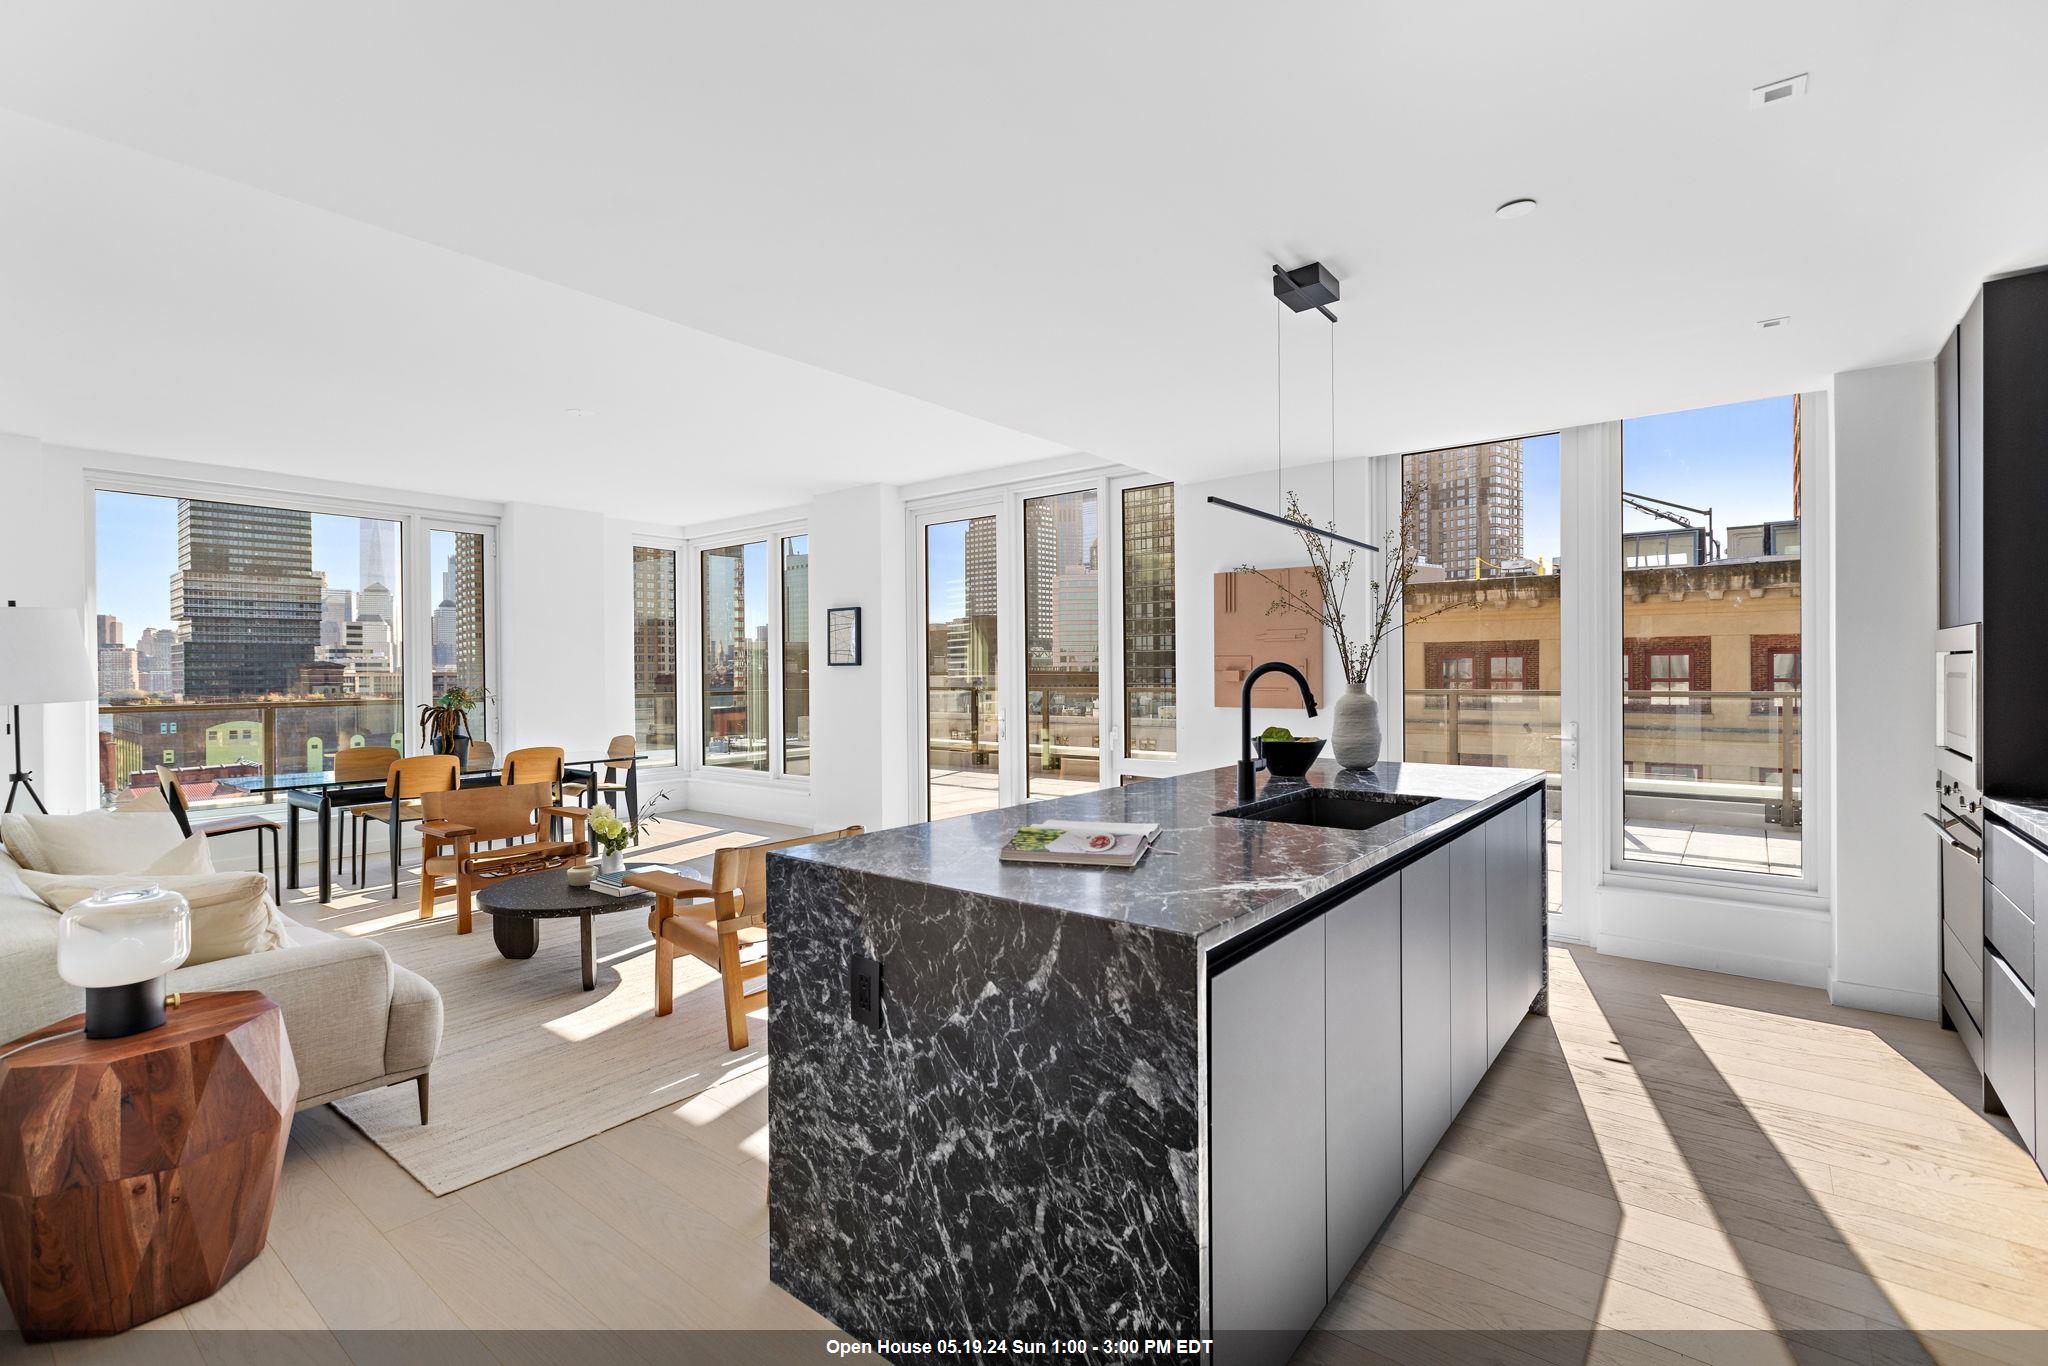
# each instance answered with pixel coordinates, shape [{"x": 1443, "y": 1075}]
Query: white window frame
[
  {"x": 692, "y": 765},
  {"x": 417, "y": 518},
  {"x": 1626, "y": 906},
  {"x": 1005, "y": 501},
  {"x": 677, "y": 547},
  {"x": 1126, "y": 765}
]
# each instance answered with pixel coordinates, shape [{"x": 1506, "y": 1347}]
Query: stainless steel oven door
[{"x": 1962, "y": 911}]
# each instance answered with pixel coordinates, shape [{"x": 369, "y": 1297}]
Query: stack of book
[
  {"x": 1087, "y": 844},
  {"x": 614, "y": 884}
]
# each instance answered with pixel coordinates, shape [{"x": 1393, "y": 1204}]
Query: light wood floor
[{"x": 1671, "y": 1157}]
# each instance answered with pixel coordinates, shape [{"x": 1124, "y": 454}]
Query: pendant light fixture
[{"x": 1305, "y": 287}]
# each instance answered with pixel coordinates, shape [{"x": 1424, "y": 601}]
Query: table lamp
[
  {"x": 120, "y": 944},
  {"x": 43, "y": 658}
]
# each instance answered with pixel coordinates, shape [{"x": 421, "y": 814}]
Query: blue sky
[
  {"x": 1735, "y": 459},
  {"x": 138, "y": 552}
]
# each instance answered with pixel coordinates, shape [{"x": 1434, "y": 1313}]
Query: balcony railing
[
  {"x": 1730, "y": 747},
  {"x": 208, "y": 742}
]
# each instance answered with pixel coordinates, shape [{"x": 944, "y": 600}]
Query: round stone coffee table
[{"x": 518, "y": 905}]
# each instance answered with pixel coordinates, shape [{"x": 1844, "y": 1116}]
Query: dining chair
[
  {"x": 364, "y": 764},
  {"x": 592, "y": 785},
  {"x": 534, "y": 764},
  {"x": 460, "y": 819},
  {"x": 723, "y": 923},
  {"x": 408, "y": 782},
  {"x": 181, "y": 809}
]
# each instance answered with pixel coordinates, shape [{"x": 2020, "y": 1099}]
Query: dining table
[{"x": 323, "y": 793}]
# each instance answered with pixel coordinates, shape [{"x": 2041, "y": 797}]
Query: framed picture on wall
[{"x": 842, "y": 635}]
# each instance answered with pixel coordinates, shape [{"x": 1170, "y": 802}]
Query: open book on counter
[{"x": 1088, "y": 844}]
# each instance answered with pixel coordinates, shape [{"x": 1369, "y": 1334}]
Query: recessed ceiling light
[
  {"x": 579, "y": 412},
  {"x": 1782, "y": 320},
  {"x": 1516, "y": 208}
]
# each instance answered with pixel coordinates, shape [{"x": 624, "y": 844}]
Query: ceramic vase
[
  {"x": 615, "y": 862},
  {"x": 1355, "y": 728}
]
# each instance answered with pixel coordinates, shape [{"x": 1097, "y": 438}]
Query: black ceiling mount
[{"x": 1306, "y": 287}]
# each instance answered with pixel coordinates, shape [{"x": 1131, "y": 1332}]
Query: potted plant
[
  {"x": 1355, "y": 719},
  {"x": 444, "y": 722}
]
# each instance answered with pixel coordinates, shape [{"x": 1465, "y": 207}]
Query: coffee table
[{"x": 518, "y": 905}]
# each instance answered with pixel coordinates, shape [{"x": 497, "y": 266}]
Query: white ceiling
[{"x": 403, "y": 238}]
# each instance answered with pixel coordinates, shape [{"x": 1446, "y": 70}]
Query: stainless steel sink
[{"x": 1328, "y": 809}]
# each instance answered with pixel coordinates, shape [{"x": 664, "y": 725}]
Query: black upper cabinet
[
  {"x": 1994, "y": 494},
  {"x": 1970, "y": 464},
  {"x": 1948, "y": 443}
]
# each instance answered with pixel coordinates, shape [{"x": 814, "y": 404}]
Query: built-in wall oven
[{"x": 1958, "y": 817}]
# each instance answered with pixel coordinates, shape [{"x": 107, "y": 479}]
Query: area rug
[{"x": 530, "y": 1062}]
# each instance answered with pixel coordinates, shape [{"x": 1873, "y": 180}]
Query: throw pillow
[
  {"x": 232, "y": 913},
  {"x": 187, "y": 858},
  {"x": 90, "y": 841}
]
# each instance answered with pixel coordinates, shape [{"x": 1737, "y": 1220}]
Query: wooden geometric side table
[{"x": 138, "y": 1174}]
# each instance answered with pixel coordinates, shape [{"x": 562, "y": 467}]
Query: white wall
[
  {"x": 46, "y": 561},
  {"x": 1211, "y": 540},
  {"x": 557, "y": 655},
  {"x": 858, "y": 720},
  {"x": 1886, "y": 911}
]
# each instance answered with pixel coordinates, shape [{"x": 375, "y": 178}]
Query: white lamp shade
[
  {"x": 122, "y": 936},
  {"x": 43, "y": 657}
]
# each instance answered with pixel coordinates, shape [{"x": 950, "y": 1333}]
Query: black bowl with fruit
[{"x": 1287, "y": 755}]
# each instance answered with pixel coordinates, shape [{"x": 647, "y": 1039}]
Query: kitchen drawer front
[
  {"x": 1963, "y": 965},
  {"x": 2009, "y": 1044},
  {"x": 2013, "y": 867},
  {"x": 2011, "y": 932}
]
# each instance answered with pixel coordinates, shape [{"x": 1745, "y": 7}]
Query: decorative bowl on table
[
  {"x": 581, "y": 876},
  {"x": 1288, "y": 758}
]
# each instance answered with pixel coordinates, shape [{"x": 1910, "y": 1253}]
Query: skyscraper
[
  {"x": 377, "y": 554},
  {"x": 464, "y": 586},
  {"x": 1468, "y": 511},
  {"x": 245, "y": 598}
]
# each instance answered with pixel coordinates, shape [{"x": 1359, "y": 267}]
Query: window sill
[
  {"x": 786, "y": 782},
  {"x": 1758, "y": 890}
]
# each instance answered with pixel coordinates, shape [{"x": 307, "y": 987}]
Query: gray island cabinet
[{"x": 1111, "y": 1106}]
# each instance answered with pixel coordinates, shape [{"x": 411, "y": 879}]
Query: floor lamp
[{"x": 42, "y": 659}]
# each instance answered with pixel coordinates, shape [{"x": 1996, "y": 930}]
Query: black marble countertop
[
  {"x": 1209, "y": 876},
  {"x": 2029, "y": 817}
]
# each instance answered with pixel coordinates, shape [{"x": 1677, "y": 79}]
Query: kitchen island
[{"x": 1176, "y": 1100}]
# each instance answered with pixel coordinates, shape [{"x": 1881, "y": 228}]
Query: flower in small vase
[{"x": 611, "y": 833}]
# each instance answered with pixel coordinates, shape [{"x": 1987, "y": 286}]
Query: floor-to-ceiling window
[
  {"x": 654, "y": 652},
  {"x": 735, "y": 661},
  {"x": 962, "y": 694},
  {"x": 1483, "y": 617},
  {"x": 796, "y": 654},
  {"x": 458, "y": 563},
  {"x": 1149, "y": 707},
  {"x": 238, "y": 640},
  {"x": 1062, "y": 641},
  {"x": 1711, "y": 638}
]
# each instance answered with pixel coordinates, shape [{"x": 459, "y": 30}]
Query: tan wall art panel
[{"x": 1248, "y": 634}]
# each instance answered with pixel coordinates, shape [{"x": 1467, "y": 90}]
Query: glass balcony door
[
  {"x": 960, "y": 584},
  {"x": 1012, "y": 594}
]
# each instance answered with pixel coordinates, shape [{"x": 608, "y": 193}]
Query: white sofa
[{"x": 356, "y": 1019}]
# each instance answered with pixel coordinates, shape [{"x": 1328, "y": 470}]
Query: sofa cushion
[
  {"x": 91, "y": 841},
  {"x": 186, "y": 858},
  {"x": 232, "y": 913}
]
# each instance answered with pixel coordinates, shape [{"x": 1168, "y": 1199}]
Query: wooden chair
[
  {"x": 406, "y": 784},
  {"x": 481, "y": 756},
  {"x": 460, "y": 819},
  {"x": 535, "y": 764},
  {"x": 592, "y": 786},
  {"x": 181, "y": 810},
  {"x": 368, "y": 763},
  {"x": 724, "y": 924}
]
